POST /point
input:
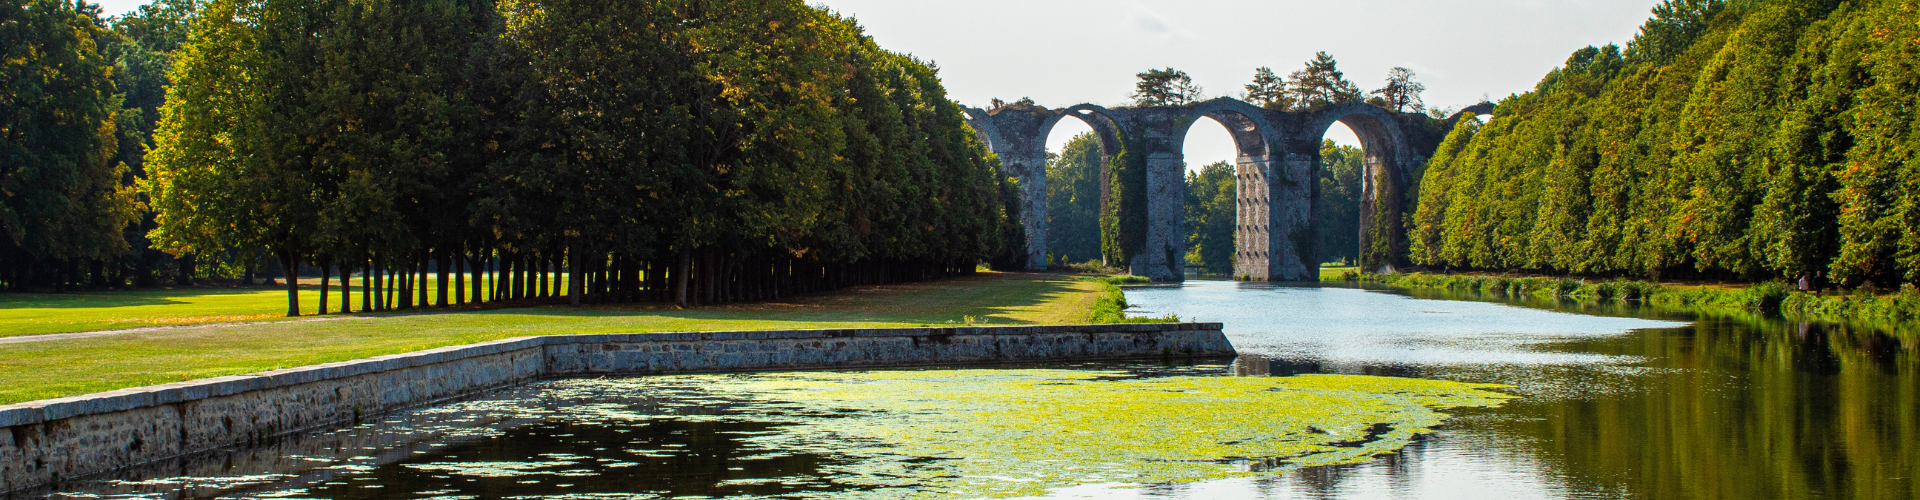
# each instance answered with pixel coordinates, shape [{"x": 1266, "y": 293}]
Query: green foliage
[
  {"x": 1211, "y": 201},
  {"x": 1123, "y": 279},
  {"x": 1767, "y": 140},
  {"x": 1110, "y": 306},
  {"x": 1673, "y": 28},
  {"x": 1123, "y": 220},
  {"x": 1773, "y": 298},
  {"x": 1402, "y": 92},
  {"x": 1165, "y": 87},
  {"x": 63, "y": 195},
  {"x": 1073, "y": 201},
  {"x": 1268, "y": 90},
  {"x": 1321, "y": 83},
  {"x": 1339, "y": 204},
  {"x": 695, "y": 151}
]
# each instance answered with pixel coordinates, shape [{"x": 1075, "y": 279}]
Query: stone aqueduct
[{"x": 1279, "y": 155}]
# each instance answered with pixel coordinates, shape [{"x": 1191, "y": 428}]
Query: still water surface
[
  {"x": 1613, "y": 403},
  {"x": 1722, "y": 407}
]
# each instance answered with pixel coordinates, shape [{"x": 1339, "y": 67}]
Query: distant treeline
[
  {"x": 1754, "y": 140},
  {"x": 695, "y": 151}
]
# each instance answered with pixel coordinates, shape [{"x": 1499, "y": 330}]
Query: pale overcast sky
[{"x": 1066, "y": 52}]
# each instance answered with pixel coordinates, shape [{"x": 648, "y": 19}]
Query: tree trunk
[
  {"x": 680, "y": 271},
  {"x": 477, "y": 271},
  {"x": 186, "y": 269},
  {"x": 575, "y": 286},
  {"x": 386, "y": 283},
  {"x": 421, "y": 280},
  {"x": 273, "y": 270},
  {"x": 366, "y": 286},
  {"x": 445, "y": 264},
  {"x": 287, "y": 261},
  {"x": 326, "y": 273},
  {"x": 246, "y": 278}
]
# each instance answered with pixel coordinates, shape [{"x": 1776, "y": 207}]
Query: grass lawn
[
  {"x": 42, "y": 313},
  {"x": 1333, "y": 273},
  {"x": 59, "y": 368},
  {"x": 36, "y": 313}
]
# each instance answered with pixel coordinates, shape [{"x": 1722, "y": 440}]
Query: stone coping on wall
[{"x": 41, "y": 411}]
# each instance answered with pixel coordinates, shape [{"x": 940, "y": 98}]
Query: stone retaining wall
[{"x": 42, "y": 442}]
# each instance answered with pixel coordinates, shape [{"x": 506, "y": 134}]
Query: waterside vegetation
[
  {"x": 1730, "y": 140},
  {"x": 1769, "y": 298},
  {"x": 1111, "y": 305}
]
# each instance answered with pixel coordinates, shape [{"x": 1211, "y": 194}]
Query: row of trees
[
  {"x": 1758, "y": 140},
  {"x": 80, "y": 99},
  {"x": 695, "y": 151},
  {"x": 1074, "y": 202},
  {"x": 1318, "y": 85}
]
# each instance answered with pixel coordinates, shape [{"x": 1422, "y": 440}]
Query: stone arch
[
  {"x": 1390, "y": 166},
  {"x": 1104, "y": 122},
  {"x": 983, "y": 127},
  {"x": 1107, "y": 130},
  {"x": 1255, "y": 138},
  {"x": 1018, "y": 135}
]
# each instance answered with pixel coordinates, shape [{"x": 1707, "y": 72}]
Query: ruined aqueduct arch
[{"x": 1279, "y": 154}]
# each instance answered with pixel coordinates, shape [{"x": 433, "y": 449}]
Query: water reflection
[{"x": 1729, "y": 406}]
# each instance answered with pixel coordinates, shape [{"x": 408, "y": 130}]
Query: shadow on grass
[
  {"x": 127, "y": 298},
  {"x": 996, "y": 298}
]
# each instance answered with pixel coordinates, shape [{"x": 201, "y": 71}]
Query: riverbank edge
[
  {"x": 1766, "y": 298},
  {"x": 48, "y": 440}
]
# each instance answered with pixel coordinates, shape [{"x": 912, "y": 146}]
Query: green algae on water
[{"x": 999, "y": 433}]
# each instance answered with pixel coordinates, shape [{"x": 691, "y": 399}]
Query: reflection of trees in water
[{"x": 1742, "y": 408}]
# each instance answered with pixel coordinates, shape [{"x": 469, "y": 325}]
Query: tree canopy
[
  {"x": 1073, "y": 201},
  {"x": 1165, "y": 87},
  {"x": 1754, "y": 140},
  {"x": 696, "y": 151}
]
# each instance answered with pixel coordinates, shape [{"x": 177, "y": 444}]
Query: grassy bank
[
  {"x": 1111, "y": 305},
  {"x": 43, "y": 313},
  {"x": 1768, "y": 298},
  {"x": 58, "y": 368}
]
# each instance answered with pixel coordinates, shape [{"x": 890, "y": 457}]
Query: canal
[{"x": 1339, "y": 393}]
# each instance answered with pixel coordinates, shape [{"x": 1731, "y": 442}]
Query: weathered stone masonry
[
  {"x": 1279, "y": 155},
  {"x": 44, "y": 441}
]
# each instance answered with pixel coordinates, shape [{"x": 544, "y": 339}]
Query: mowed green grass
[
  {"x": 34, "y": 313},
  {"x": 43, "y": 313},
  {"x": 1333, "y": 273},
  {"x": 69, "y": 367}
]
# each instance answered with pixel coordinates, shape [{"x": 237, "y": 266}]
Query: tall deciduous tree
[
  {"x": 1210, "y": 217},
  {"x": 1763, "y": 140},
  {"x": 1402, "y": 92},
  {"x": 1338, "y": 208},
  {"x": 1073, "y": 201},
  {"x": 62, "y": 196}
]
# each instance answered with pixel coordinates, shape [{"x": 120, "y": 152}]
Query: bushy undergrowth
[
  {"x": 1860, "y": 305},
  {"x": 1769, "y": 297},
  {"x": 1111, "y": 306}
]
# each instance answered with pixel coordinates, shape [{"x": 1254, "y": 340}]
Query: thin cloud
[{"x": 1152, "y": 23}]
